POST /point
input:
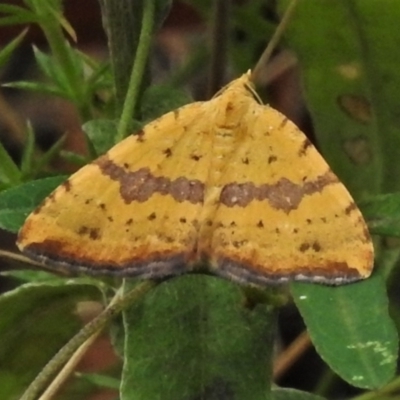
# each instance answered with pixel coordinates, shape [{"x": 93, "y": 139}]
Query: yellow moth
[{"x": 229, "y": 184}]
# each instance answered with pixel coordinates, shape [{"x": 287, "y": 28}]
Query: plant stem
[
  {"x": 219, "y": 45},
  {"x": 68, "y": 368},
  {"x": 138, "y": 68},
  {"x": 117, "y": 304},
  {"x": 274, "y": 41}
]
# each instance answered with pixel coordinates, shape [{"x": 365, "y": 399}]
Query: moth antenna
[{"x": 266, "y": 55}]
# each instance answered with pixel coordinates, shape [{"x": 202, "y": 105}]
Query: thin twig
[
  {"x": 291, "y": 354},
  {"x": 19, "y": 257},
  {"x": 219, "y": 45},
  {"x": 68, "y": 368},
  {"x": 117, "y": 304},
  {"x": 266, "y": 55}
]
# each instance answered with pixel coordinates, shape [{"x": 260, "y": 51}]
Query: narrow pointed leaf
[
  {"x": 9, "y": 172},
  {"x": 7, "y": 50}
]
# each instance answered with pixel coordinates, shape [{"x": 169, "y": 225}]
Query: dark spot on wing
[
  {"x": 152, "y": 216},
  {"x": 304, "y": 147},
  {"x": 167, "y": 152}
]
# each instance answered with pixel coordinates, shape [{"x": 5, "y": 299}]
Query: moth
[{"x": 229, "y": 184}]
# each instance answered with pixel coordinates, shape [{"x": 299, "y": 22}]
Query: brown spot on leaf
[
  {"x": 358, "y": 150},
  {"x": 129, "y": 221},
  {"x": 195, "y": 157},
  {"x": 140, "y": 185},
  {"x": 356, "y": 107},
  {"x": 260, "y": 224},
  {"x": 182, "y": 220},
  {"x": 245, "y": 160},
  {"x": 102, "y": 206}
]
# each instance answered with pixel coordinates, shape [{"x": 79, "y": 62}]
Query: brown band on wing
[
  {"x": 154, "y": 265},
  {"x": 283, "y": 195},
  {"x": 140, "y": 185},
  {"x": 333, "y": 273}
]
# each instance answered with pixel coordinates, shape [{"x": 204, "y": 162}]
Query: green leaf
[
  {"x": 38, "y": 87},
  {"x": 16, "y": 15},
  {"x": 63, "y": 22},
  {"x": 16, "y": 203},
  {"x": 76, "y": 88},
  {"x": 74, "y": 158},
  {"x": 292, "y": 394},
  {"x": 29, "y": 149},
  {"x": 31, "y": 275},
  {"x": 45, "y": 63},
  {"x": 196, "y": 336},
  {"x": 9, "y": 172},
  {"x": 11, "y": 9},
  {"x": 59, "y": 81},
  {"x": 382, "y": 213},
  {"x": 101, "y": 77},
  {"x": 46, "y": 158},
  {"x": 160, "y": 99},
  {"x": 101, "y": 133},
  {"x": 351, "y": 329},
  {"x": 7, "y": 50},
  {"x": 344, "y": 89},
  {"x": 53, "y": 71},
  {"x": 101, "y": 380},
  {"x": 36, "y": 321}
]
